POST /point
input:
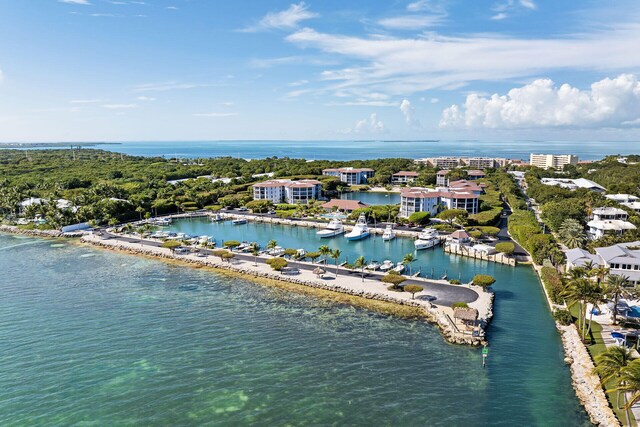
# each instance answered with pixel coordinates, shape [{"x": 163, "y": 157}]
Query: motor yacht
[
  {"x": 239, "y": 221},
  {"x": 427, "y": 238},
  {"x": 373, "y": 266},
  {"x": 388, "y": 234},
  {"x": 360, "y": 230},
  {"x": 334, "y": 228},
  {"x": 399, "y": 268},
  {"x": 386, "y": 265}
]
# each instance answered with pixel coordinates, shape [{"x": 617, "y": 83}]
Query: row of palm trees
[
  {"x": 587, "y": 285},
  {"x": 617, "y": 367}
]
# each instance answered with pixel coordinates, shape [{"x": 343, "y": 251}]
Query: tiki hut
[{"x": 467, "y": 315}]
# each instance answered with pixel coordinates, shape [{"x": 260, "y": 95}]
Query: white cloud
[
  {"x": 435, "y": 6},
  {"x": 409, "y": 112},
  {"x": 434, "y": 100},
  {"x": 84, "y": 2},
  {"x": 215, "y": 114},
  {"x": 369, "y": 125},
  {"x": 120, "y": 106},
  {"x": 417, "y": 6},
  {"x": 285, "y": 19},
  {"x": 608, "y": 103},
  {"x": 299, "y": 83},
  {"x": 1, "y": 76},
  {"x": 402, "y": 66},
  {"x": 411, "y": 22},
  {"x": 145, "y": 98},
  {"x": 362, "y": 102},
  {"x": 172, "y": 8},
  {"x": 529, "y": 4},
  {"x": 499, "y": 16},
  {"x": 172, "y": 85},
  {"x": 87, "y": 101},
  {"x": 227, "y": 103}
]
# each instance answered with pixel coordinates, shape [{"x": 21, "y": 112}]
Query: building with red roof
[
  {"x": 343, "y": 205},
  {"x": 404, "y": 177}
]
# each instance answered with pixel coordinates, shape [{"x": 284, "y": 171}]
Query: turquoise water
[
  {"x": 373, "y": 198},
  {"x": 431, "y": 262},
  {"x": 350, "y": 150},
  {"x": 91, "y": 337}
]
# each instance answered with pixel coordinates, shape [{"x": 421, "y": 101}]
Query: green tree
[
  {"x": 313, "y": 256},
  {"x": 360, "y": 263},
  {"x": 453, "y": 215},
  {"x": 172, "y": 245},
  {"x": 325, "y": 251},
  {"x": 394, "y": 279},
  {"x": 610, "y": 366},
  {"x": 272, "y": 244},
  {"x": 571, "y": 233},
  {"x": 228, "y": 256},
  {"x": 483, "y": 280},
  {"x": 409, "y": 259},
  {"x": 630, "y": 382},
  {"x": 578, "y": 291},
  {"x": 219, "y": 253},
  {"x": 277, "y": 264},
  {"x": 335, "y": 254},
  {"x": 616, "y": 287},
  {"x": 420, "y": 218},
  {"x": 506, "y": 248},
  {"x": 231, "y": 244},
  {"x": 413, "y": 289}
]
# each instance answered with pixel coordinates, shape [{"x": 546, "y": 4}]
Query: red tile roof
[
  {"x": 348, "y": 205},
  {"x": 406, "y": 173},
  {"x": 460, "y": 234}
]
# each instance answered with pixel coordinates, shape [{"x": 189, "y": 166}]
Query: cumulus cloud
[
  {"x": 406, "y": 65},
  {"x": 285, "y": 19},
  {"x": 409, "y": 112},
  {"x": 608, "y": 103},
  {"x": 369, "y": 125}
]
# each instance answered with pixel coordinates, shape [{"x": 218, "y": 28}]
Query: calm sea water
[
  {"x": 350, "y": 150},
  {"x": 373, "y": 198},
  {"x": 97, "y": 338}
]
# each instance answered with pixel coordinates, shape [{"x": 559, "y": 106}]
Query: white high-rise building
[{"x": 552, "y": 161}]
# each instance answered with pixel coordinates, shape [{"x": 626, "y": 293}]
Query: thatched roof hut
[
  {"x": 318, "y": 271},
  {"x": 466, "y": 314}
]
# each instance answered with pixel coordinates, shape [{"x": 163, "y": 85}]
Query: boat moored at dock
[
  {"x": 360, "y": 230},
  {"x": 334, "y": 228}
]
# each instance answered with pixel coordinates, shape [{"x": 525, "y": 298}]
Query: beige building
[
  {"x": 552, "y": 161},
  {"x": 456, "y": 162}
]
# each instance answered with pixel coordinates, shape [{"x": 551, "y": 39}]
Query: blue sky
[{"x": 95, "y": 70}]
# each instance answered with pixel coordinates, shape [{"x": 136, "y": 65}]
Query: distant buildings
[
  {"x": 552, "y": 161},
  {"x": 351, "y": 176},
  {"x": 572, "y": 184},
  {"x": 62, "y": 204},
  {"x": 622, "y": 259},
  {"x": 403, "y": 177},
  {"x": 461, "y": 194},
  {"x": 285, "y": 190},
  {"x": 628, "y": 200},
  {"x": 472, "y": 162},
  {"x": 442, "y": 176}
]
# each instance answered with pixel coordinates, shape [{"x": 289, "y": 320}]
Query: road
[{"x": 444, "y": 294}]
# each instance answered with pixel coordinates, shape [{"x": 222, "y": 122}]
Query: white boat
[
  {"x": 216, "y": 218},
  {"x": 239, "y": 221},
  {"x": 386, "y": 265},
  {"x": 427, "y": 238},
  {"x": 388, "y": 234},
  {"x": 360, "y": 230},
  {"x": 161, "y": 222},
  {"x": 277, "y": 251},
  {"x": 373, "y": 265},
  {"x": 301, "y": 253},
  {"x": 399, "y": 268},
  {"x": 334, "y": 228}
]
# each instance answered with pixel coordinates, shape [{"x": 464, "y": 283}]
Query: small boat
[
  {"x": 334, "y": 228},
  {"x": 388, "y": 233},
  {"x": 360, "y": 230},
  {"x": 427, "y": 238},
  {"x": 277, "y": 251},
  {"x": 399, "y": 268},
  {"x": 239, "y": 221},
  {"x": 386, "y": 265},
  {"x": 373, "y": 266},
  {"x": 161, "y": 222},
  {"x": 243, "y": 246},
  {"x": 216, "y": 218},
  {"x": 301, "y": 253}
]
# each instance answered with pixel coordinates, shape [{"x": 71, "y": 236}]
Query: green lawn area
[{"x": 596, "y": 348}]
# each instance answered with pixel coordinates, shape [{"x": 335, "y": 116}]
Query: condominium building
[
  {"x": 622, "y": 259},
  {"x": 552, "y": 161},
  {"x": 472, "y": 162},
  {"x": 419, "y": 199},
  {"x": 403, "y": 177},
  {"x": 351, "y": 176},
  {"x": 285, "y": 190}
]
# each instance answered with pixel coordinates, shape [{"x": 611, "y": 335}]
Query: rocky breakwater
[
  {"x": 30, "y": 232},
  {"x": 585, "y": 382},
  {"x": 433, "y": 313}
]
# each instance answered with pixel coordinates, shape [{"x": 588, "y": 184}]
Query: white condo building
[
  {"x": 351, "y": 176},
  {"x": 472, "y": 162},
  {"x": 285, "y": 190},
  {"x": 461, "y": 194},
  {"x": 552, "y": 161}
]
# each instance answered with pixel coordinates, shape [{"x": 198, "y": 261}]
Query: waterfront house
[
  {"x": 404, "y": 177},
  {"x": 62, "y": 204},
  {"x": 351, "y": 176},
  {"x": 346, "y": 206},
  {"x": 598, "y": 227},
  {"x": 622, "y": 259},
  {"x": 605, "y": 213},
  {"x": 622, "y": 198},
  {"x": 286, "y": 190},
  {"x": 578, "y": 257},
  {"x": 459, "y": 238}
]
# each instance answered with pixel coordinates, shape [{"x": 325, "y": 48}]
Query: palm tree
[
  {"x": 324, "y": 251},
  {"x": 360, "y": 263},
  {"x": 335, "y": 254},
  {"x": 272, "y": 244},
  {"x": 572, "y": 233},
  {"x": 409, "y": 259},
  {"x": 630, "y": 382},
  {"x": 596, "y": 296},
  {"x": 616, "y": 288},
  {"x": 578, "y": 291},
  {"x": 610, "y": 365}
]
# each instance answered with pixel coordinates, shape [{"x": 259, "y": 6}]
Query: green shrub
[
  {"x": 489, "y": 217},
  {"x": 454, "y": 281},
  {"x": 277, "y": 263},
  {"x": 413, "y": 289},
  {"x": 459, "y": 305},
  {"x": 506, "y": 248},
  {"x": 552, "y": 282},
  {"x": 421, "y": 218},
  {"x": 394, "y": 279},
  {"x": 171, "y": 244},
  {"x": 563, "y": 316},
  {"x": 476, "y": 234},
  {"x": 483, "y": 280}
]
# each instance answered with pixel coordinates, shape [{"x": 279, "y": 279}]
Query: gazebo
[
  {"x": 467, "y": 315},
  {"x": 318, "y": 271}
]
